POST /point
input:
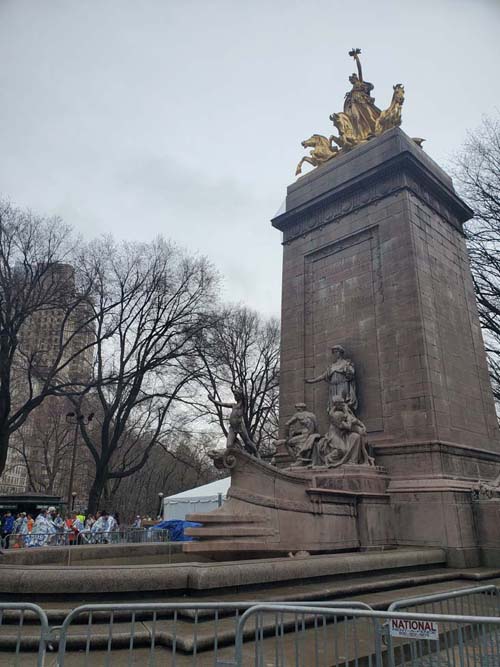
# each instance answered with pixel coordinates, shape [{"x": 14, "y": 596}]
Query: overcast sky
[{"x": 184, "y": 118}]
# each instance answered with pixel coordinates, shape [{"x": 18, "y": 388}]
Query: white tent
[{"x": 201, "y": 499}]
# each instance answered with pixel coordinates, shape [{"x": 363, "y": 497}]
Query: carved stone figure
[
  {"x": 322, "y": 151},
  {"x": 360, "y": 121},
  {"x": 237, "y": 426},
  {"x": 302, "y": 433},
  {"x": 345, "y": 441},
  {"x": 340, "y": 376}
]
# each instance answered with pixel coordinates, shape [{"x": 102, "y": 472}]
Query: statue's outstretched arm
[
  {"x": 355, "y": 54},
  {"x": 224, "y": 405},
  {"x": 314, "y": 380},
  {"x": 219, "y": 403}
]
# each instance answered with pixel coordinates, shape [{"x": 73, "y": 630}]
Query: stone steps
[
  {"x": 377, "y": 591},
  {"x": 198, "y": 578},
  {"x": 224, "y": 532},
  {"x": 221, "y": 517}
]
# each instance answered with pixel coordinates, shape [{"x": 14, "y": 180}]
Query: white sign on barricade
[{"x": 410, "y": 629}]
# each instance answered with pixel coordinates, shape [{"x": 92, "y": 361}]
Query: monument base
[
  {"x": 273, "y": 512},
  {"x": 432, "y": 490},
  {"x": 426, "y": 495}
]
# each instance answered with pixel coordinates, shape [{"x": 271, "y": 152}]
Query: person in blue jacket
[{"x": 7, "y": 524}]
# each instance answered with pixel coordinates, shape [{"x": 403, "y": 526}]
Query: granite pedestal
[{"x": 374, "y": 258}]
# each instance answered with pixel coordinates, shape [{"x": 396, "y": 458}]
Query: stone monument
[{"x": 375, "y": 275}]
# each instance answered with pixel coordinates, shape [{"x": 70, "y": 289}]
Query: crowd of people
[{"x": 51, "y": 527}]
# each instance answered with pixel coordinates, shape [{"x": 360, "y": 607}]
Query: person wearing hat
[{"x": 302, "y": 433}]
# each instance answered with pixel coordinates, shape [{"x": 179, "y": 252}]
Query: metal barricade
[
  {"x": 68, "y": 538},
  {"x": 135, "y": 634},
  {"x": 24, "y": 540},
  {"x": 318, "y": 634},
  {"x": 123, "y": 536},
  {"x": 361, "y": 645},
  {"x": 306, "y": 635},
  {"x": 475, "y": 601},
  {"x": 474, "y": 643},
  {"x": 15, "y": 618}
]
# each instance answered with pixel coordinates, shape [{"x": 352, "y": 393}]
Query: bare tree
[
  {"x": 478, "y": 174},
  {"x": 44, "y": 444},
  {"x": 45, "y": 326},
  {"x": 151, "y": 302},
  {"x": 241, "y": 349},
  {"x": 180, "y": 463}
]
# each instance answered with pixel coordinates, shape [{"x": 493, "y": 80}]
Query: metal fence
[
  {"x": 475, "y": 601},
  {"x": 304, "y": 635},
  {"x": 124, "y": 536},
  {"x": 467, "y": 643},
  {"x": 67, "y": 538},
  {"x": 307, "y": 634},
  {"x": 443, "y": 640},
  {"x": 23, "y": 627},
  {"x": 163, "y": 633}
]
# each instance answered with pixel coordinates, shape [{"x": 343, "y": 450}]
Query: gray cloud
[{"x": 185, "y": 118}]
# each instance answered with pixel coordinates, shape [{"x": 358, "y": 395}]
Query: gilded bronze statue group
[{"x": 360, "y": 121}]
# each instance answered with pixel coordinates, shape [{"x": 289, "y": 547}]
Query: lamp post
[
  {"x": 75, "y": 419},
  {"x": 160, "y": 505},
  {"x": 73, "y": 498}
]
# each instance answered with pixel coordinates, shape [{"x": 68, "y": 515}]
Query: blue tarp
[{"x": 176, "y": 528}]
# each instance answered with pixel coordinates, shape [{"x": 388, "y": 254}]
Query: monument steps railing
[{"x": 285, "y": 635}]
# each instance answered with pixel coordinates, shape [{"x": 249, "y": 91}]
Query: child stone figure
[{"x": 237, "y": 425}]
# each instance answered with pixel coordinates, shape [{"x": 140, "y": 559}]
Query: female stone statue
[
  {"x": 345, "y": 441},
  {"x": 340, "y": 378}
]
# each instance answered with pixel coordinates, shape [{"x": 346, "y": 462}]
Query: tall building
[{"x": 57, "y": 335}]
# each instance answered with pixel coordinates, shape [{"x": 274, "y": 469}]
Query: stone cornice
[
  {"x": 432, "y": 484},
  {"x": 428, "y": 446},
  {"x": 405, "y": 171}
]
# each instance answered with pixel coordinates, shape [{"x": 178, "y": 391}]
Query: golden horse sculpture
[
  {"x": 322, "y": 151},
  {"x": 391, "y": 117},
  {"x": 360, "y": 121}
]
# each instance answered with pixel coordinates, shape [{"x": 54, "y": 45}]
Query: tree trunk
[
  {"x": 4, "y": 449},
  {"x": 96, "y": 491}
]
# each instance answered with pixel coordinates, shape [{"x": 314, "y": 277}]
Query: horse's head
[
  {"x": 341, "y": 122},
  {"x": 398, "y": 97},
  {"x": 313, "y": 141}
]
